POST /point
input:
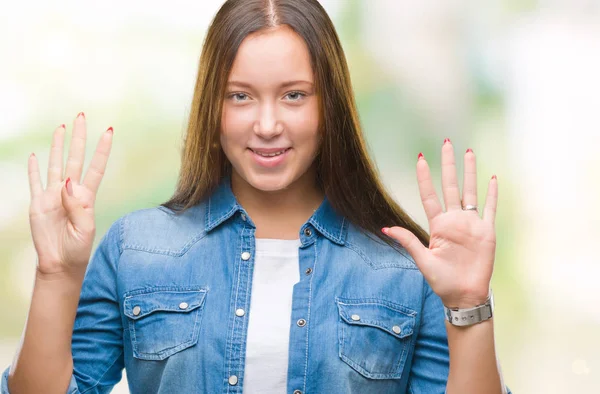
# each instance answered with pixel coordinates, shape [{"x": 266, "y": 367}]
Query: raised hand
[
  {"x": 459, "y": 262},
  {"x": 61, "y": 216}
]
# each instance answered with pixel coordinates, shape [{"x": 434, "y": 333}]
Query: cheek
[
  {"x": 304, "y": 123},
  {"x": 235, "y": 118},
  {"x": 312, "y": 138},
  {"x": 233, "y": 128}
]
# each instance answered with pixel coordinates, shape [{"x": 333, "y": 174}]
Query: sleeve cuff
[
  {"x": 4, "y": 383},
  {"x": 73, "y": 389}
]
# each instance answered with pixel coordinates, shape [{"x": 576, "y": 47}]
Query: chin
[{"x": 268, "y": 183}]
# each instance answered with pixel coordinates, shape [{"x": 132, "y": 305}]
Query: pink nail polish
[
  {"x": 420, "y": 156},
  {"x": 469, "y": 150},
  {"x": 81, "y": 114},
  {"x": 110, "y": 130},
  {"x": 494, "y": 177},
  {"x": 63, "y": 126},
  {"x": 446, "y": 140},
  {"x": 385, "y": 230}
]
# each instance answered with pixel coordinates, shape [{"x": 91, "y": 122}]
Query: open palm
[
  {"x": 61, "y": 216},
  {"x": 459, "y": 262}
]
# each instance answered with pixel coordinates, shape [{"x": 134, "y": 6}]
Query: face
[{"x": 269, "y": 127}]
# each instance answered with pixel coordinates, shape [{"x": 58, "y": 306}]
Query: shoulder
[
  {"x": 375, "y": 252},
  {"x": 162, "y": 230}
]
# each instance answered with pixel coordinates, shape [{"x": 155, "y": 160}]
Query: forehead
[{"x": 272, "y": 56}]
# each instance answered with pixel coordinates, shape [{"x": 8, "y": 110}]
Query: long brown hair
[{"x": 344, "y": 169}]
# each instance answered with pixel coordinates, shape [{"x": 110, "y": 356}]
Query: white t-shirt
[{"x": 276, "y": 270}]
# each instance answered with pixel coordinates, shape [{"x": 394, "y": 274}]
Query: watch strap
[{"x": 469, "y": 316}]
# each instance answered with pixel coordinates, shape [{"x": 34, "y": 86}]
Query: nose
[{"x": 267, "y": 126}]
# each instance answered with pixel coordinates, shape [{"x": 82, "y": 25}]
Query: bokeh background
[{"x": 517, "y": 81}]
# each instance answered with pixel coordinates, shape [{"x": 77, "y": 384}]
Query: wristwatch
[{"x": 469, "y": 316}]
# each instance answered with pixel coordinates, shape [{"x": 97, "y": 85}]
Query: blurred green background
[{"x": 516, "y": 81}]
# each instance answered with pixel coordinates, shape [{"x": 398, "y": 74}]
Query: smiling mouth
[{"x": 273, "y": 154}]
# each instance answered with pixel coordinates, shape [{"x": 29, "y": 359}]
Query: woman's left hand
[{"x": 459, "y": 262}]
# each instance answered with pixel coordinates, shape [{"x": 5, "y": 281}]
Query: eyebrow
[{"x": 283, "y": 85}]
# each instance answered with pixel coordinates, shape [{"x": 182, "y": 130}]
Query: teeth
[{"x": 270, "y": 154}]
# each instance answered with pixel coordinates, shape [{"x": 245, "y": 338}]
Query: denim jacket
[{"x": 161, "y": 291}]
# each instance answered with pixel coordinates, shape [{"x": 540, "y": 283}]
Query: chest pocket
[
  {"x": 163, "y": 320},
  {"x": 375, "y": 336}
]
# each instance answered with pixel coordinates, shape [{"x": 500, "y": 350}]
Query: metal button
[
  {"x": 308, "y": 271},
  {"x": 243, "y": 217},
  {"x": 307, "y": 232},
  {"x": 301, "y": 323},
  {"x": 297, "y": 392},
  {"x": 136, "y": 310},
  {"x": 396, "y": 329},
  {"x": 239, "y": 312},
  {"x": 183, "y": 305},
  {"x": 246, "y": 256},
  {"x": 355, "y": 317},
  {"x": 233, "y": 380}
]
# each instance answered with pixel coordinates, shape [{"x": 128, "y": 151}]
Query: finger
[
  {"x": 429, "y": 198},
  {"x": 470, "y": 180},
  {"x": 97, "y": 167},
  {"x": 77, "y": 149},
  {"x": 449, "y": 179},
  {"x": 55, "y": 163},
  {"x": 411, "y": 243},
  {"x": 75, "y": 210},
  {"x": 491, "y": 201},
  {"x": 33, "y": 173}
]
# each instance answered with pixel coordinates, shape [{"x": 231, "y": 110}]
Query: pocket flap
[
  {"x": 395, "y": 319},
  {"x": 140, "y": 303}
]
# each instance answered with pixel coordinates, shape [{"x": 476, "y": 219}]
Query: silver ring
[{"x": 470, "y": 208}]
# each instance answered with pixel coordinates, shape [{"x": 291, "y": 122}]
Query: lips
[
  {"x": 269, "y": 158},
  {"x": 271, "y": 152}
]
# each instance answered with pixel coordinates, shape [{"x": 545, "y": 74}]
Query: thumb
[
  {"x": 75, "y": 210},
  {"x": 410, "y": 242}
]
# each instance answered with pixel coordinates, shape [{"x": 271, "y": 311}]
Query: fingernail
[
  {"x": 469, "y": 150},
  {"x": 420, "y": 156},
  {"x": 446, "y": 140},
  {"x": 385, "y": 230},
  {"x": 110, "y": 130},
  {"x": 32, "y": 155},
  {"x": 69, "y": 187},
  {"x": 81, "y": 114},
  {"x": 63, "y": 126},
  {"x": 494, "y": 177}
]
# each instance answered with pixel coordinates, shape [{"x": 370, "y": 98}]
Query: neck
[{"x": 280, "y": 213}]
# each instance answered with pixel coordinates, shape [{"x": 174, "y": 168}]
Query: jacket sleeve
[
  {"x": 431, "y": 359},
  {"x": 97, "y": 343}
]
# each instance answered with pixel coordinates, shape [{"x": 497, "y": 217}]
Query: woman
[{"x": 268, "y": 271}]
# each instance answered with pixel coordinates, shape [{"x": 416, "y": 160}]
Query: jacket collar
[{"x": 222, "y": 205}]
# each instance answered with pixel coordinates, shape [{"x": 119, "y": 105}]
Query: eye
[
  {"x": 237, "y": 97},
  {"x": 295, "y": 96}
]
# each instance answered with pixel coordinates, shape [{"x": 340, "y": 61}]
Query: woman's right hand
[{"x": 61, "y": 216}]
